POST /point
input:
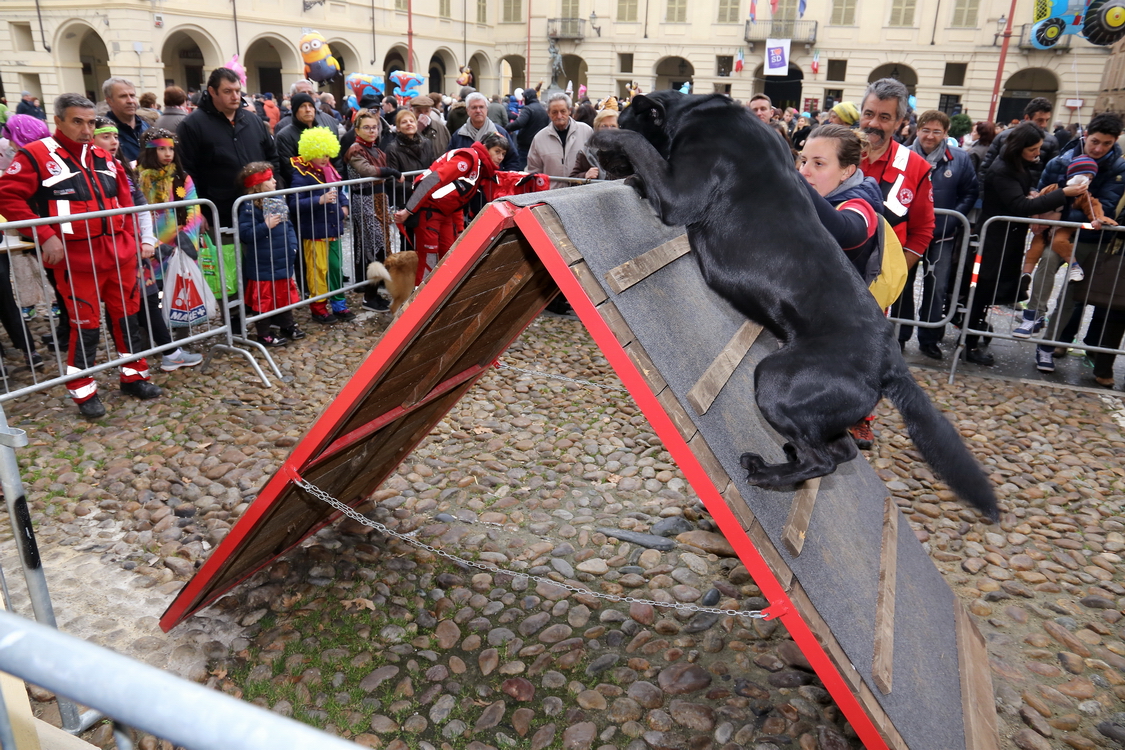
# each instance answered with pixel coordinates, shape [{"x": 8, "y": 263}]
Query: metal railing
[
  {"x": 566, "y": 28},
  {"x": 1059, "y": 305},
  {"x": 799, "y": 31}
]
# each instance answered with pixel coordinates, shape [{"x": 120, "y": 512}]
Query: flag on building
[
  {"x": 777, "y": 57},
  {"x": 753, "y": 11},
  {"x": 739, "y": 61},
  {"x": 816, "y": 62},
  {"x": 801, "y": 4},
  {"x": 773, "y": 8}
]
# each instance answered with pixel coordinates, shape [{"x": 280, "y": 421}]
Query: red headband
[{"x": 258, "y": 178}]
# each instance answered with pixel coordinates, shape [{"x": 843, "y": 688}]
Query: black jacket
[
  {"x": 1049, "y": 150},
  {"x": 408, "y": 155},
  {"x": 288, "y": 138},
  {"x": 214, "y": 150},
  {"x": 532, "y": 118}
]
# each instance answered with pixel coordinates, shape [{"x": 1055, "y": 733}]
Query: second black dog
[{"x": 708, "y": 164}]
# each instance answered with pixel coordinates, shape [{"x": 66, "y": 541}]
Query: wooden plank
[
  {"x": 781, "y": 570},
  {"x": 707, "y": 388},
  {"x": 800, "y": 513},
  {"x": 881, "y": 667},
  {"x": 976, "y": 683},
  {"x": 734, "y": 500},
  {"x": 470, "y": 330},
  {"x": 679, "y": 415},
  {"x": 549, "y": 220},
  {"x": 589, "y": 283},
  {"x": 709, "y": 461},
  {"x": 616, "y": 323},
  {"x": 20, "y": 718},
  {"x": 644, "y": 363},
  {"x": 632, "y": 271}
]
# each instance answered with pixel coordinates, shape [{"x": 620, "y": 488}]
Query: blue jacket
[
  {"x": 1107, "y": 186},
  {"x": 266, "y": 253},
  {"x": 511, "y": 161},
  {"x": 957, "y": 191},
  {"x": 313, "y": 220},
  {"x": 848, "y": 228}
]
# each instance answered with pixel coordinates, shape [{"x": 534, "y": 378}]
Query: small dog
[
  {"x": 398, "y": 274},
  {"x": 708, "y": 164}
]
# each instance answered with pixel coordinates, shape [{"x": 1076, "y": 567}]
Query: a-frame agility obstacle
[{"x": 892, "y": 644}]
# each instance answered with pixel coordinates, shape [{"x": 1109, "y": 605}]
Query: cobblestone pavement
[{"x": 381, "y": 642}]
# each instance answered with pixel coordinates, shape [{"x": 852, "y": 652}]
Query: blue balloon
[{"x": 912, "y": 101}]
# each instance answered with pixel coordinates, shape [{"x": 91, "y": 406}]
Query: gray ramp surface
[{"x": 683, "y": 325}]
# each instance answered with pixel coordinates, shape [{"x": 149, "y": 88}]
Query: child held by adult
[{"x": 269, "y": 256}]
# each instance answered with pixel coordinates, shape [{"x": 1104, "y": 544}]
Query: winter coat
[
  {"x": 437, "y": 134},
  {"x": 266, "y": 253},
  {"x": 1107, "y": 186},
  {"x": 171, "y": 118},
  {"x": 213, "y": 152},
  {"x": 289, "y": 137},
  {"x": 851, "y": 229},
  {"x": 368, "y": 161},
  {"x": 1048, "y": 151},
  {"x": 273, "y": 114},
  {"x": 976, "y": 154},
  {"x": 955, "y": 188},
  {"x": 498, "y": 114},
  {"x": 511, "y": 161},
  {"x": 532, "y": 119},
  {"x": 551, "y": 156},
  {"x": 314, "y": 220},
  {"x": 408, "y": 155}
]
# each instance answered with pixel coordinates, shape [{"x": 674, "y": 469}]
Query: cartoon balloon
[
  {"x": 320, "y": 65},
  {"x": 407, "y": 85},
  {"x": 236, "y": 67},
  {"x": 361, "y": 85}
]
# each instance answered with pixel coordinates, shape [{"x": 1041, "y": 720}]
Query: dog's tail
[
  {"x": 376, "y": 272},
  {"x": 939, "y": 443}
]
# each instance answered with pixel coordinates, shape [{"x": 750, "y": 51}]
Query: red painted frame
[{"x": 318, "y": 444}]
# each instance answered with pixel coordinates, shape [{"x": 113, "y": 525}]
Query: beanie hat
[
  {"x": 318, "y": 142},
  {"x": 370, "y": 101},
  {"x": 847, "y": 113},
  {"x": 24, "y": 129},
  {"x": 1082, "y": 165},
  {"x": 298, "y": 99}
]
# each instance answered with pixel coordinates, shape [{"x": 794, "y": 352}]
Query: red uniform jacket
[
  {"x": 908, "y": 195},
  {"x": 452, "y": 180}
]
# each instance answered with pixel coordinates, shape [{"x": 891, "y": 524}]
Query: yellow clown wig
[{"x": 318, "y": 142}]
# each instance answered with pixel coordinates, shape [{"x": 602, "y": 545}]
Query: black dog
[{"x": 707, "y": 163}]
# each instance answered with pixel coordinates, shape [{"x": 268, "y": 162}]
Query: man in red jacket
[{"x": 94, "y": 261}]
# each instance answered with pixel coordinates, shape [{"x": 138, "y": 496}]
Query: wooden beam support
[
  {"x": 976, "y": 683},
  {"x": 882, "y": 661},
  {"x": 800, "y": 514},
  {"x": 632, "y": 271},
  {"x": 707, "y": 388}
]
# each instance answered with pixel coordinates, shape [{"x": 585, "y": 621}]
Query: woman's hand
[
  {"x": 592, "y": 173},
  {"x": 1072, "y": 190}
]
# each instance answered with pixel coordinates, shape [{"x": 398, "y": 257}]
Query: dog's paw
[
  {"x": 637, "y": 183},
  {"x": 753, "y": 464}
]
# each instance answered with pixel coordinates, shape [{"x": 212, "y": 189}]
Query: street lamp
[
  {"x": 1001, "y": 23},
  {"x": 1007, "y": 23},
  {"x": 593, "y": 21}
]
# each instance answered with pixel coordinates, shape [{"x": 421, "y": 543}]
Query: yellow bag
[{"x": 888, "y": 285}]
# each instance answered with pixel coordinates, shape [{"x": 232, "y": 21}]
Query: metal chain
[
  {"x": 360, "y": 518},
  {"x": 603, "y": 386}
]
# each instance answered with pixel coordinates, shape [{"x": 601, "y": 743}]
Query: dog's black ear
[{"x": 649, "y": 110}]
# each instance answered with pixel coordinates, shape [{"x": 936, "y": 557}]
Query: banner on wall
[{"x": 777, "y": 57}]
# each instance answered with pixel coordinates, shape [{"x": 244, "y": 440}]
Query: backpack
[{"x": 891, "y": 259}]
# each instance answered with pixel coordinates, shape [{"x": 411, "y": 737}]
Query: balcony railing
[
  {"x": 566, "y": 28},
  {"x": 1025, "y": 40},
  {"x": 798, "y": 31}
]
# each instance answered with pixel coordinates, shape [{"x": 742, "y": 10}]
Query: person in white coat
[{"x": 555, "y": 148}]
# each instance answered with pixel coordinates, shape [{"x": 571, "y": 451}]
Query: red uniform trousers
[
  {"x": 84, "y": 293},
  {"x": 434, "y": 236}
]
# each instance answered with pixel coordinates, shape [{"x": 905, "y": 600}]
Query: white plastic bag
[{"x": 188, "y": 301}]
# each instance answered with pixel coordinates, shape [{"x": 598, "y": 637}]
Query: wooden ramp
[{"x": 840, "y": 567}]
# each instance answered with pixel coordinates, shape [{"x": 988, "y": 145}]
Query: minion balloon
[{"x": 320, "y": 65}]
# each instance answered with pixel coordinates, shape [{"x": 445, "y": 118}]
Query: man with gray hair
[
  {"x": 478, "y": 126},
  {"x": 121, "y": 97},
  {"x": 903, "y": 175},
  {"x": 555, "y": 148}
]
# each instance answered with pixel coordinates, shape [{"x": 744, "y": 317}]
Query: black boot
[{"x": 92, "y": 408}]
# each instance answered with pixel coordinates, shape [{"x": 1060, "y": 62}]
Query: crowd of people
[{"x": 876, "y": 171}]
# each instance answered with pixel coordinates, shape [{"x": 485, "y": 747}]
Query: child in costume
[
  {"x": 269, "y": 256},
  {"x": 154, "y": 250},
  {"x": 442, "y": 192},
  {"x": 319, "y": 216}
]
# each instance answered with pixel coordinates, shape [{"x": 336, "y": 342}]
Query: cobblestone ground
[{"x": 393, "y": 647}]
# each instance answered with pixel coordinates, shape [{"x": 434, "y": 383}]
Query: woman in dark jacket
[
  {"x": 370, "y": 218},
  {"x": 408, "y": 152},
  {"x": 1007, "y": 191}
]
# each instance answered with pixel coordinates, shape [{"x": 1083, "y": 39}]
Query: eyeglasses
[{"x": 927, "y": 131}]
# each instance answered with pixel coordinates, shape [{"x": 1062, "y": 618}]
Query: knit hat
[
  {"x": 298, "y": 99},
  {"x": 370, "y": 101},
  {"x": 847, "y": 113},
  {"x": 318, "y": 142},
  {"x": 1082, "y": 165},
  {"x": 23, "y": 129}
]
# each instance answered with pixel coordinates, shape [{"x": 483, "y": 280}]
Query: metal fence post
[{"x": 32, "y": 563}]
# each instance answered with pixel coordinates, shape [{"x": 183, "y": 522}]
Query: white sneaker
[
  {"x": 1075, "y": 273},
  {"x": 178, "y": 359}
]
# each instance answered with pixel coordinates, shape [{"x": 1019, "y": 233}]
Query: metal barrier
[
  {"x": 110, "y": 280},
  {"x": 957, "y": 272},
  {"x": 1060, "y": 322}
]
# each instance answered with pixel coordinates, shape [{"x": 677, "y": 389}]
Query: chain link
[
  {"x": 603, "y": 386},
  {"x": 489, "y": 568}
]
